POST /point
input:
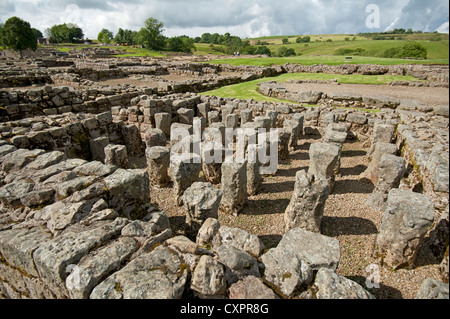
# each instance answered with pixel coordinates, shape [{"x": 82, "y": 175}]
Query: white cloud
[
  {"x": 443, "y": 28},
  {"x": 249, "y": 18}
]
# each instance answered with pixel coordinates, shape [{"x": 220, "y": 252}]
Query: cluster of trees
[
  {"x": 150, "y": 36},
  {"x": 65, "y": 33},
  {"x": 407, "y": 50}
]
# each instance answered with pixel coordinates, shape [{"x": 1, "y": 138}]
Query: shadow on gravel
[
  {"x": 384, "y": 292},
  {"x": 351, "y": 186},
  {"x": 336, "y": 226}
]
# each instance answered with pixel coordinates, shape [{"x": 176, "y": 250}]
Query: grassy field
[
  {"x": 248, "y": 90},
  {"x": 322, "y": 48},
  {"x": 323, "y": 59}
]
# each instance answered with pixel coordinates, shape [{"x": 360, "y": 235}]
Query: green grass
[
  {"x": 248, "y": 90},
  {"x": 328, "y": 60}
]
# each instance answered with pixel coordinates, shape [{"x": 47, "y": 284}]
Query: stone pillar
[
  {"x": 98, "y": 148},
  {"x": 212, "y": 159},
  {"x": 323, "y": 161},
  {"x": 305, "y": 209},
  {"x": 246, "y": 116},
  {"x": 254, "y": 179},
  {"x": 133, "y": 140},
  {"x": 391, "y": 171},
  {"x": 407, "y": 219},
  {"x": 232, "y": 121},
  {"x": 203, "y": 110},
  {"x": 201, "y": 201},
  {"x": 283, "y": 144},
  {"x": 383, "y": 133},
  {"x": 116, "y": 155},
  {"x": 273, "y": 115},
  {"x": 184, "y": 170},
  {"x": 380, "y": 148},
  {"x": 213, "y": 117},
  {"x": 163, "y": 121},
  {"x": 155, "y": 137},
  {"x": 158, "y": 159},
  {"x": 234, "y": 187},
  {"x": 293, "y": 127},
  {"x": 186, "y": 116}
]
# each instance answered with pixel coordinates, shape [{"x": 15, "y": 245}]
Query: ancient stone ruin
[{"x": 86, "y": 167}]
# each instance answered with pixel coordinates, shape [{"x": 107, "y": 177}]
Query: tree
[
  {"x": 306, "y": 39},
  {"x": 65, "y": 33},
  {"x": 125, "y": 36},
  {"x": 16, "y": 34},
  {"x": 180, "y": 44},
  {"x": 37, "y": 34},
  {"x": 105, "y": 36},
  {"x": 151, "y": 35},
  {"x": 285, "y": 41},
  {"x": 285, "y": 52}
]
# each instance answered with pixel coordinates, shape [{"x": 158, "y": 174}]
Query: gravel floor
[{"x": 346, "y": 218}]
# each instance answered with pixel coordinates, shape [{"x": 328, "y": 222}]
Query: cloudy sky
[{"x": 245, "y": 18}]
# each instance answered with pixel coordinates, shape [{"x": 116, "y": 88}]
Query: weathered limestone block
[
  {"x": 383, "y": 133},
  {"x": 213, "y": 117},
  {"x": 323, "y": 162},
  {"x": 155, "y": 137},
  {"x": 17, "y": 247},
  {"x": 380, "y": 148},
  {"x": 314, "y": 249},
  {"x": 97, "y": 147},
  {"x": 433, "y": 289},
  {"x": 204, "y": 109},
  {"x": 163, "y": 121},
  {"x": 238, "y": 263},
  {"x": 232, "y": 121},
  {"x": 207, "y": 232},
  {"x": 12, "y": 193},
  {"x": 307, "y": 203},
  {"x": 93, "y": 269},
  {"x": 293, "y": 127},
  {"x": 155, "y": 275},
  {"x": 129, "y": 185},
  {"x": 212, "y": 159},
  {"x": 254, "y": 178},
  {"x": 95, "y": 168},
  {"x": 238, "y": 238},
  {"x": 234, "y": 188},
  {"x": 186, "y": 116},
  {"x": 158, "y": 159},
  {"x": 273, "y": 115},
  {"x": 286, "y": 271},
  {"x": 251, "y": 287},
  {"x": 53, "y": 258},
  {"x": 284, "y": 137},
  {"x": 201, "y": 201},
  {"x": 246, "y": 116},
  {"x": 391, "y": 170},
  {"x": 116, "y": 155},
  {"x": 208, "y": 279},
  {"x": 329, "y": 285},
  {"x": 184, "y": 171},
  {"x": 133, "y": 140},
  {"x": 407, "y": 219}
]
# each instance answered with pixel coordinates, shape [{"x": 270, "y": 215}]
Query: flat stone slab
[
  {"x": 155, "y": 275},
  {"x": 53, "y": 257},
  {"x": 314, "y": 249}
]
